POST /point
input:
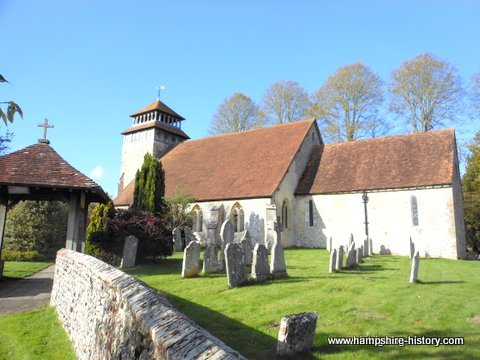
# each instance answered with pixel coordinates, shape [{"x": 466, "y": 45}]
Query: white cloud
[{"x": 97, "y": 172}]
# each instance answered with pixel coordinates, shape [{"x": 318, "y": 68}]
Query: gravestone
[
  {"x": 296, "y": 333},
  {"x": 351, "y": 255},
  {"x": 351, "y": 240},
  {"x": 129, "y": 254},
  {"x": 370, "y": 246},
  {"x": 191, "y": 260},
  {"x": 177, "y": 240},
  {"x": 247, "y": 247},
  {"x": 359, "y": 254},
  {"x": 365, "y": 248},
  {"x": 211, "y": 262},
  {"x": 412, "y": 248},
  {"x": 235, "y": 264},
  {"x": 415, "y": 264},
  {"x": 188, "y": 235},
  {"x": 333, "y": 260},
  {"x": 277, "y": 262},
  {"x": 330, "y": 243},
  {"x": 226, "y": 235},
  {"x": 339, "y": 265},
  {"x": 260, "y": 267}
]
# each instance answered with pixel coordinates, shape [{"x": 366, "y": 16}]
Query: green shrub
[{"x": 22, "y": 256}]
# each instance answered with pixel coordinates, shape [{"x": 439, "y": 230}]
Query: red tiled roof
[
  {"x": 413, "y": 160},
  {"x": 40, "y": 165},
  {"x": 247, "y": 164},
  {"x": 157, "y": 105},
  {"x": 158, "y": 125}
]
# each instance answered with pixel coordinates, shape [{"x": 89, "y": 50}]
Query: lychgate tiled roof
[
  {"x": 40, "y": 165},
  {"x": 413, "y": 160},
  {"x": 157, "y": 105},
  {"x": 247, "y": 164}
]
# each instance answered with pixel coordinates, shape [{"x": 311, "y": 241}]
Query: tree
[
  {"x": 149, "y": 187},
  {"x": 37, "y": 226},
  {"x": 237, "y": 113},
  {"x": 11, "y": 109},
  {"x": 426, "y": 91},
  {"x": 96, "y": 233},
  {"x": 285, "y": 101},
  {"x": 4, "y": 142},
  {"x": 348, "y": 104},
  {"x": 471, "y": 192},
  {"x": 475, "y": 93},
  {"x": 177, "y": 204}
]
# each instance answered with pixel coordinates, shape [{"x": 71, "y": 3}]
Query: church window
[
  {"x": 237, "y": 217},
  {"x": 414, "y": 209},
  {"x": 197, "y": 218},
  {"x": 310, "y": 212},
  {"x": 285, "y": 214}
]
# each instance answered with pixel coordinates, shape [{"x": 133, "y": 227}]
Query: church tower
[{"x": 155, "y": 129}]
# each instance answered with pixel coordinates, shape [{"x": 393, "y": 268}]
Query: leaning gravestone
[
  {"x": 277, "y": 262},
  {"x": 235, "y": 263},
  {"x": 129, "y": 254},
  {"x": 247, "y": 247},
  {"x": 191, "y": 260},
  {"x": 296, "y": 333},
  {"x": 351, "y": 240},
  {"x": 351, "y": 253},
  {"x": 211, "y": 263},
  {"x": 414, "y": 270},
  {"x": 260, "y": 267},
  {"x": 370, "y": 246},
  {"x": 339, "y": 264},
  {"x": 226, "y": 235},
  {"x": 412, "y": 248},
  {"x": 177, "y": 240},
  {"x": 333, "y": 260}
]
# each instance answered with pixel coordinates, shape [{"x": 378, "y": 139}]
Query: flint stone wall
[{"x": 108, "y": 314}]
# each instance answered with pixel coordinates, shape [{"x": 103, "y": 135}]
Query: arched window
[
  {"x": 414, "y": 209},
  {"x": 237, "y": 217},
  {"x": 285, "y": 214},
  {"x": 197, "y": 218},
  {"x": 310, "y": 212}
]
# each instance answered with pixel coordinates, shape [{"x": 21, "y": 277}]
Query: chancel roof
[
  {"x": 40, "y": 165},
  {"x": 247, "y": 164},
  {"x": 405, "y": 161}
]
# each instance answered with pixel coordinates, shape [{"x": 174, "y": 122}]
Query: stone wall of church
[
  {"x": 254, "y": 210},
  {"x": 288, "y": 186},
  {"x": 108, "y": 314},
  {"x": 390, "y": 221}
]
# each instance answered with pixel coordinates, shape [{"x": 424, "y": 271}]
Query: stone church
[{"x": 389, "y": 189}]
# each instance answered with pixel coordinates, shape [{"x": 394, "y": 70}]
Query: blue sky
[{"x": 86, "y": 65}]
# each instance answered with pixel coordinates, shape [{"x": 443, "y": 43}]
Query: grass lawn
[
  {"x": 22, "y": 269},
  {"x": 34, "y": 335},
  {"x": 375, "y": 299}
]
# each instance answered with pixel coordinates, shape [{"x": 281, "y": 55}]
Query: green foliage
[
  {"x": 149, "y": 187},
  {"x": 97, "y": 228},
  {"x": 36, "y": 226},
  {"x": 471, "y": 192},
  {"x": 21, "y": 256},
  {"x": 177, "y": 204}
]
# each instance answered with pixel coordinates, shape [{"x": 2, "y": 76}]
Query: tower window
[
  {"x": 237, "y": 217},
  {"x": 310, "y": 212}
]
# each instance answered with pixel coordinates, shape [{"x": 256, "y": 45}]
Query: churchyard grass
[
  {"x": 34, "y": 335},
  {"x": 375, "y": 299},
  {"x": 22, "y": 269}
]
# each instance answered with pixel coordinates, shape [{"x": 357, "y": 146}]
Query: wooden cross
[{"x": 45, "y": 126}]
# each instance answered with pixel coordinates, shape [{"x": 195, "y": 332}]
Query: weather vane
[
  {"x": 45, "y": 126},
  {"x": 159, "y": 88}
]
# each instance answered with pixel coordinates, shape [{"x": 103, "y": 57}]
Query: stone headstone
[
  {"x": 247, "y": 247},
  {"x": 415, "y": 264},
  {"x": 211, "y": 262},
  {"x": 191, "y": 260},
  {"x": 412, "y": 248},
  {"x": 177, "y": 240},
  {"x": 211, "y": 236},
  {"x": 339, "y": 264},
  {"x": 351, "y": 256},
  {"x": 277, "y": 261},
  {"x": 351, "y": 240},
  {"x": 333, "y": 260},
  {"x": 330, "y": 244},
  {"x": 370, "y": 246},
  {"x": 359, "y": 255},
  {"x": 365, "y": 248},
  {"x": 296, "y": 333},
  {"x": 235, "y": 264},
  {"x": 189, "y": 237},
  {"x": 260, "y": 267},
  {"x": 226, "y": 235},
  {"x": 129, "y": 254}
]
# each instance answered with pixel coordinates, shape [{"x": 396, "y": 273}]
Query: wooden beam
[{"x": 77, "y": 222}]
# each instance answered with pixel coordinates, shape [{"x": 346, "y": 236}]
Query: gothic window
[
  {"x": 197, "y": 218},
  {"x": 285, "y": 214},
  {"x": 237, "y": 217},
  {"x": 414, "y": 209},
  {"x": 310, "y": 212}
]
